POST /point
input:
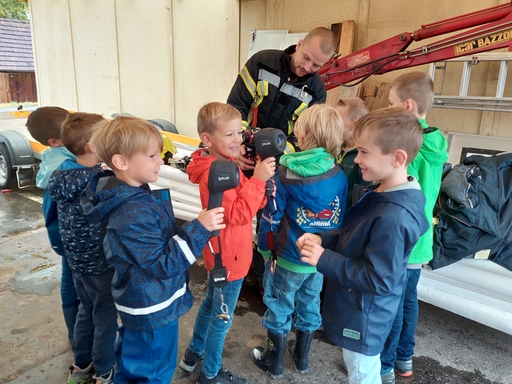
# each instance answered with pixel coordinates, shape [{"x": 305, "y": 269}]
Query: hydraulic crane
[{"x": 494, "y": 31}]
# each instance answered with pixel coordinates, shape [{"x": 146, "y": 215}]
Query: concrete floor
[{"x": 34, "y": 346}]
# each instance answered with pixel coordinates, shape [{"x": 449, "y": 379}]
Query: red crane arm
[{"x": 391, "y": 54}]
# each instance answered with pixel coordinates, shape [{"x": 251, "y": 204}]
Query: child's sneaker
[
  {"x": 403, "y": 367},
  {"x": 223, "y": 377},
  {"x": 387, "y": 376},
  {"x": 80, "y": 376},
  {"x": 107, "y": 378},
  {"x": 189, "y": 361}
]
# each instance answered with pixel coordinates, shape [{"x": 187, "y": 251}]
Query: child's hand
[
  {"x": 308, "y": 236},
  {"x": 311, "y": 252},
  {"x": 265, "y": 169},
  {"x": 212, "y": 219},
  {"x": 243, "y": 161}
]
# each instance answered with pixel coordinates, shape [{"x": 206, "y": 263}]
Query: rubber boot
[
  {"x": 70, "y": 318},
  {"x": 270, "y": 359},
  {"x": 298, "y": 350}
]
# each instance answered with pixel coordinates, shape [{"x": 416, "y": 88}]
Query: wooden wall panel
[
  {"x": 5, "y": 95},
  {"x": 22, "y": 87}
]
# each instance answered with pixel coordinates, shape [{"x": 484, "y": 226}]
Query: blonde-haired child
[
  {"x": 311, "y": 192},
  {"x": 143, "y": 244}
]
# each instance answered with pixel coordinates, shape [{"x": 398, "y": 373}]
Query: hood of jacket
[
  {"x": 315, "y": 192},
  {"x": 201, "y": 162},
  {"x": 409, "y": 196},
  {"x": 434, "y": 145},
  {"x": 312, "y": 162},
  {"x": 105, "y": 193},
  {"x": 70, "y": 179}
]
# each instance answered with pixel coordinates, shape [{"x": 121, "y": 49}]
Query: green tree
[{"x": 11, "y": 9}]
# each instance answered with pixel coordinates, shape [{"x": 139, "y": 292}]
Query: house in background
[{"x": 17, "y": 73}]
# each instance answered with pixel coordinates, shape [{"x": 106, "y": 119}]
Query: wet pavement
[{"x": 34, "y": 348}]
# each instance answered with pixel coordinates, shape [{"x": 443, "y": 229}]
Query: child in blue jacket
[
  {"x": 366, "y": 271},
  {"x": 149, "y": 254},
  {"x": 96, "y": 323},
  {"x": 44, "y": 125},
  {"x": 311, "y": 190}
]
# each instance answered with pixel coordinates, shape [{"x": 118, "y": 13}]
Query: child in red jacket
[{"x": 220, "y": 129}]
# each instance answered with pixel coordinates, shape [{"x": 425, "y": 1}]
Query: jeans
[
  {"x": 290, "y": 293},
  {"x": 67, "y": 287},
  {"x": 362, "y": 369},
  {"x": 400, "y": 342},
  {"x": 210, "y": 331},
  {"x": 146, "y": 357},
  {"x": 96, "y": 322}
]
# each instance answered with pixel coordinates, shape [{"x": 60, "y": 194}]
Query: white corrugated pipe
[{"x": 477, "y": 289}]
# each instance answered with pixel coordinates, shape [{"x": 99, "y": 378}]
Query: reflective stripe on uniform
[
  {"x": 295, "y": 116},
  {"x": 298, "y": 93},
  {"x": 262, "y": 91},
  {"x": 154, "y": 308},
  {"x": 289, "y": 148},
  {"x": 269, "y": 77},
  {"x": 248, "y": 81}
]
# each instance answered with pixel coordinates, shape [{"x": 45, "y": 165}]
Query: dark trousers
[
  {"x": 96, "y": 322},
  {"x": 400, "y": 342}
]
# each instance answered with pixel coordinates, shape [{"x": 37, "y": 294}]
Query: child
[
  {"x": 44, "y": 126},
  {"x": 366, "y": 272},
  {"x": 149, "y": 254},
  {"x": 415, "y": 91},
  {"x": 351, "y": 110},
  {"x": 311, "y": 192},
  {"x": 220, "y": 129},
  {"x": 96, "y": 322}
]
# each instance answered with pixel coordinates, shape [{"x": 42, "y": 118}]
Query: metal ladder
[{"x": 498, "y": 103}]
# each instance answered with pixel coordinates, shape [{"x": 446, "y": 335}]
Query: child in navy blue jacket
[
  {"x": 96, "y": 322},
  {"x": 44, "y": 125},
  {"x": 367, "y": 269},
  {"x": 311, "y": 191},
  {"x": 149, "y": 254}
]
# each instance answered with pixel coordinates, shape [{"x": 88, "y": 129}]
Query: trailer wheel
[{"x": 7, "y": 176}]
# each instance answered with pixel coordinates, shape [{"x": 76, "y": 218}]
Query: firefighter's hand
[
  {"x": 311, "y": 252},
  {"x": 244, "y": 162},
  {"x": 212, "y": 219},
  {"x": 265, "y": 169}
]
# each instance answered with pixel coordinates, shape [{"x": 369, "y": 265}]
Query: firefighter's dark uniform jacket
[{"x": 267, "y": 81}]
